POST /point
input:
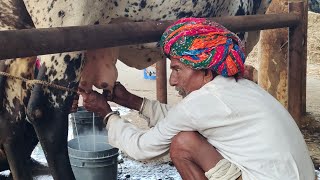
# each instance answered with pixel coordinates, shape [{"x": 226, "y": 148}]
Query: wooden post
[
  {"x": 304, "y": 57},
  {"x": 296, "y": 54},
  {"x": 273, "y": 57},
  {"x": 161, "y": 78}
]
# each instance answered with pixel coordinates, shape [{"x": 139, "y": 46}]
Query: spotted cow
[{"x": 47, "y": 108}]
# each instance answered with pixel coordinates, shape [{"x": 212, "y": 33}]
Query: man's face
[{"x": 184, "y": 78}]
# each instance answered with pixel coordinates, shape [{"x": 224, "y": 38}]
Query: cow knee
[{"x": 182, "y": 145}]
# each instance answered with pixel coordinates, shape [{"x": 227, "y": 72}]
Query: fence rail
[{"x": 32, "y": 42}]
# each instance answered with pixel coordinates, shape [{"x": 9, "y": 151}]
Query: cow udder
[{"x": 99, "y": 69}]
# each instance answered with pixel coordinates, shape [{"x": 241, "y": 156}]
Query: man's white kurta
[{"x": 245, "y": 123}]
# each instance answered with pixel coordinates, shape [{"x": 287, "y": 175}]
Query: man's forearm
[
  {"x": 154, "y": 111},
  {"x": 132, "y": 102}
]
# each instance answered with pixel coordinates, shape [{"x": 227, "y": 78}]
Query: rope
[{"x": 30, "y": 83}]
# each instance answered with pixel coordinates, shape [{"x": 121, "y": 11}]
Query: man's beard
[{"x": 181, "y": 91}]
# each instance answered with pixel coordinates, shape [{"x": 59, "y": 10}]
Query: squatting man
[{"x": 225, "y": 127}]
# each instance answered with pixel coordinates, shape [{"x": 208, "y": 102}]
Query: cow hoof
[
  {"x": 6, "y": 177},
  {"x": 38, "y": 168}
]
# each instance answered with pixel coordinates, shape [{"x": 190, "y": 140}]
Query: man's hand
[
  {"x": 120, "y": 94},
  {"x": 95, "y": 102},
  {"x": 124, "y": 98}
]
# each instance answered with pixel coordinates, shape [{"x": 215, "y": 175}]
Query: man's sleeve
[
  {"x": 148, "y": 144},
  {"x": 154, "y": 111}
]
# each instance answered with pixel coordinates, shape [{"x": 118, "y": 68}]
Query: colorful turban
[{"x": 204, "y": 44}]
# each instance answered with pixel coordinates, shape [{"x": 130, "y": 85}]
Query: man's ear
[{"x": 208, "y": 75}]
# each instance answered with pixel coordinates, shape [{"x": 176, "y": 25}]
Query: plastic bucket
[
  {"x": 94, "y": 160},
  {"x": 82, "y": 121}
]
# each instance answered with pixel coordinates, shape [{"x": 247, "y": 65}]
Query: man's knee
[{"x": 183, "y": 144}]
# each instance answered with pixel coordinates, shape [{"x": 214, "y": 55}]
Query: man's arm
[
  {"x": 148, "y": 144},
  {"x": 153, "y": 111}
]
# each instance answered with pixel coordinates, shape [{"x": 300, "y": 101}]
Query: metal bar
[
  {"x": 32, "y": 42},
  {"x": 161, "y": 78},
  {"x": 294, "y": 65}
]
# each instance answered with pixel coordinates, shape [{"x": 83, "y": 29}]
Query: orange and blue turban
[{"x": 204, "y": 44}]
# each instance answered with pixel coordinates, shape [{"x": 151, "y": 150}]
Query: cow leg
[
  {"x": 51, "y": 126},
  {"x": 12, "y": 117},
  {"x": 3, "y": 160},
  {"x": 14, "y": 146},
  {"x": 30, "y": 141},
  {"x": 52, "y": 131},
  {"x": 49, "y": 107},
  {"x": 18, "y": 150},
  {"x": 13, "y": 96},
  {"x": 3, "y": 68},
  {"x": 53, "y": 139}
]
